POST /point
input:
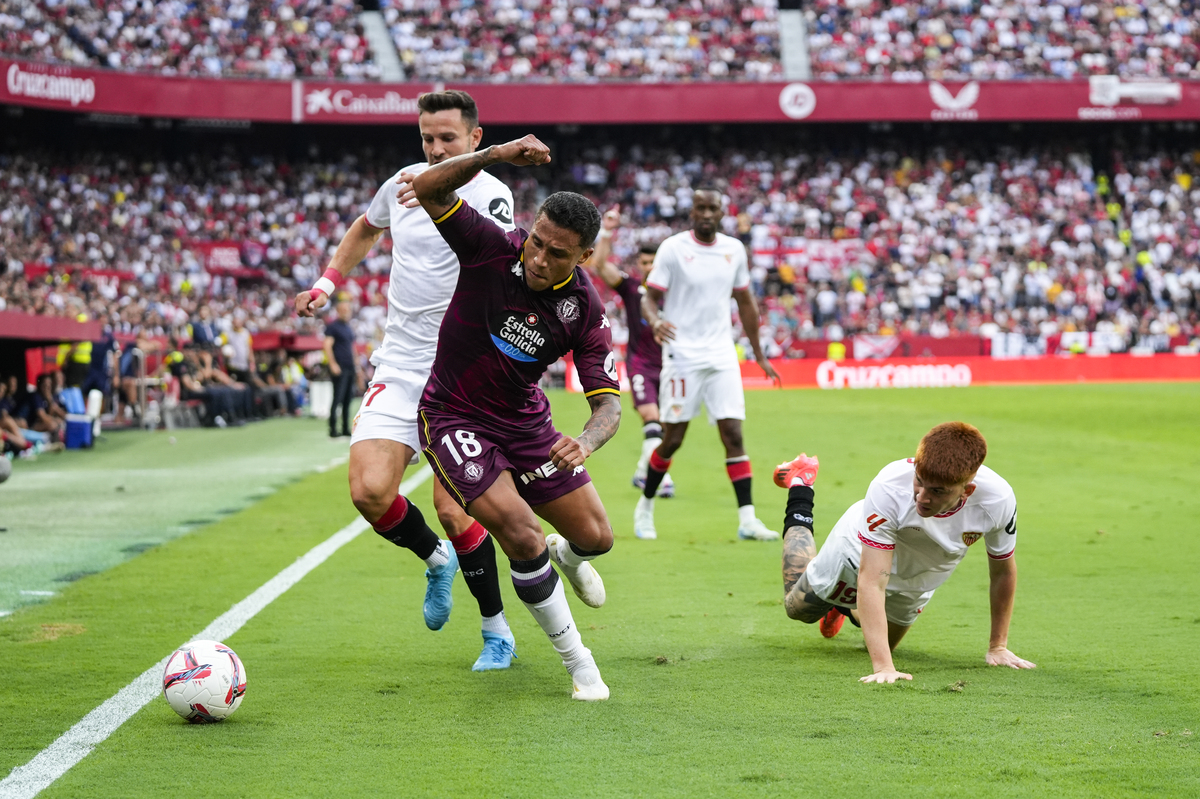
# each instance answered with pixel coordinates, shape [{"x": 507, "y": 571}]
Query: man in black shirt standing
[{"x": 339, "y": 351}]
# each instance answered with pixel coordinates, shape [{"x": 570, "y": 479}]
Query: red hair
[{"x": 950, "y": 454}]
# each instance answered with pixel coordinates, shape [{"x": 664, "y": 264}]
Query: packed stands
[
  {"x": 251, "y": 38},
  {"x": 545, "y": 40},
  {"x": 895, "y": 237},
  {"x": 962, "y": 40}
]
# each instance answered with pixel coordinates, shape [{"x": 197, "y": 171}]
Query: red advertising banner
[
  {"x": 1100, "y": 98},
  {"x": 961, "y": 372}
]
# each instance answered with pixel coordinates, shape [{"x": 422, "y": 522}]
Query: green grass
[{"x": 715, "y": 691}]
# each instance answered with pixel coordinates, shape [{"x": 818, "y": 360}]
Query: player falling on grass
[
  {"x": 385, "y": 440},
  {"x": 643, "y": 355},
  {"x": 522, "y": 302},
  {"x": 889, "y": 552},
  {"x": 697, "y": 271}
]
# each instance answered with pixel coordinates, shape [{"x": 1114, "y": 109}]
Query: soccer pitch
[{"x": 714, "y": 691}]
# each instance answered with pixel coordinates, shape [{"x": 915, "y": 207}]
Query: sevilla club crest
[{"x": 971, "y": 538}]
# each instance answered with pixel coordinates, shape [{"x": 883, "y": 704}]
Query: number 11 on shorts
[{"x": 466, "y": 439}]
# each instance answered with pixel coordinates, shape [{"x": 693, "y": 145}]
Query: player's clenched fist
[
  {"x": 887, "y": 676},
  {"x": 568, "y": 453},
  {"x": 526, "y": 151},
  {"x": 309, "y": 302}
]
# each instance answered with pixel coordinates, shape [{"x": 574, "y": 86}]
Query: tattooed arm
[
  {"x": 435, "y": 187},
  {"x": 568, "y": 453}
]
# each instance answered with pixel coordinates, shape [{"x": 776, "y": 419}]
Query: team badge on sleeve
[{"x": 498, "y": 209}]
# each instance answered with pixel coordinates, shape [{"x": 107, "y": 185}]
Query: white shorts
[
  {"x": 681, "y": 389},
  {"x": 389, "y": 407},
  {"x": 833, "y": 573}
]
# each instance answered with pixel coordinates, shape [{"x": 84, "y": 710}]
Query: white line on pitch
[{"x": 27, "y": 781}]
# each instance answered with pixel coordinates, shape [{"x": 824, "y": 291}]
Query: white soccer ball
[
  {"x": 5, "y": 468},
  {"x": 204, "y": 681}
]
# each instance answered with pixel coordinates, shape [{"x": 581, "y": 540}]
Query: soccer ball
[{"x": 204, "y": 681}]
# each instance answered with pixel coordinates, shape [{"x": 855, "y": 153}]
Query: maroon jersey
[
  {"x": 499, "y": 335},
  {"x": 642, "y": 347}
]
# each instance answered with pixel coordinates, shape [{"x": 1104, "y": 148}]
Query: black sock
[
  {"x": 534, "y": 579},
  {"x": 741, "y": 489},
  {"x": 481, "y": 575},
  {"x": 799, "y": 508},
  {"x": 412, "y": 533},
  {"x": 652, "y": 430},
  {"x": 585, "y": 554}
]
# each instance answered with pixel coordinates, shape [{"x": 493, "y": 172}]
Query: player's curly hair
[
  {"x": 950, "y": 454},
  {"x": 432, "y": 102},
  {"x": 573, "y": 212}
]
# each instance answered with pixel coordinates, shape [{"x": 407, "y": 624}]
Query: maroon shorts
[
  {"x": 468, "y": 458},
  {"x": 643, "y": 381}
]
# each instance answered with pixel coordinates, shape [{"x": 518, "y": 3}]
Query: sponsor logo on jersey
[
  {"x": 473, "y": 471},
  {"x": 568, "y": 310},
  {"x": 971, "y": 538},
  {"x": 610, "y": 366},
  {"x": 498, "y": 209},
  {"x": 519, "y": 337}
]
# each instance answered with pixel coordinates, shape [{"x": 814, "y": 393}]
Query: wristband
[{"x": 328, "y": 282}]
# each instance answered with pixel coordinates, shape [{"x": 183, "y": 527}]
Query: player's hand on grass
[
  {"x": 1000, "y": 656},
  {"x": 663, "y": 331},
  {"x": 568, "y": 453},
  {"x": 887, "y": 676},
  {"x": 770, "y": 372},
  {"x": 526, "y": 151},
  {"x": 308, "y": 305},
  {"x": 406, "y": 195}
]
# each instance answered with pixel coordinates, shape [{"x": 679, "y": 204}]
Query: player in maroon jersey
[
  {"x": 643, "y": 355},
  {"x": 521, "y": 303}
]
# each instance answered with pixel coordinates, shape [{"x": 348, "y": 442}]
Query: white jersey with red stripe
[
  {"x": 424, "y": 268},
  {"x": 928, "y": 549},
  {"x": 698, "y": 280}
]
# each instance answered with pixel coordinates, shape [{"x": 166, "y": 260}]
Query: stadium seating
[
  {"x": 254, "y": 38},
  {"x": 939, "y": 244},
  {"x": 1000, "y": 39},
  {"x": 541, "y": 40}
]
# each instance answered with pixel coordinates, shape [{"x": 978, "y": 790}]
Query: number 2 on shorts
[{"x": 470, "y": 447}]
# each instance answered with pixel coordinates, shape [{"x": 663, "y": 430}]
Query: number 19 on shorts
[{"x": 466, "y": 442}]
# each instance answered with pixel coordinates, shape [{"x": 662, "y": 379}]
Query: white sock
[
  {"x": 746, "y": 515},
  {"x": 440, "y": 556},
  {"x": 497, "y": 624},
  {"x": 645, "y": 504},
  {"x": 570, "y": 558},
  {"x": 648, "y": 446},
  {"x": 553, "y": 615}
]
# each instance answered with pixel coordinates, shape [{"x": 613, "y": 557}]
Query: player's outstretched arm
[
  {"x": 1002, "y": 590},
  {"x": 353, "y": 247},
  {"x": 568, "y": 453},
  {"x": 874, "y": 570},
  {"x": 748, "y": 313},
  {"x": 435, "y": 187}
]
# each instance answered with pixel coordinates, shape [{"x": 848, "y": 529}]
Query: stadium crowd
[
  {"x": 940, "y": 243},
  {"x": 554, "y": 40},
  {"x": 1002, "y": 39},
  {"x": 253, "y": 38},
  {"x": 551, "y": 40}
]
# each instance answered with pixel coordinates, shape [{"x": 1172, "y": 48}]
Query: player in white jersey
[
  {"x": 890, "y": 551},
  {"x": 697, "y": 272},
  {"x": 385, "y": 440}
]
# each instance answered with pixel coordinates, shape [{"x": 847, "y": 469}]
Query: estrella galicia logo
[
  {"x": 519, "y": 337},
  {"x": 499, "y": 210}
]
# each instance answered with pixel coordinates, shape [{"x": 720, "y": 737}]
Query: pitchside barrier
[
  {"x": 1100, "y": 98},
  {"x": 957, "y": 372}
]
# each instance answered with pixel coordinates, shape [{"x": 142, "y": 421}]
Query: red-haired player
[{"x": 890, "y": 551}]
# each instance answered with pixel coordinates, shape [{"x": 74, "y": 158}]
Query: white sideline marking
[
  {"x": 333, "y": 464},
  {"x": 38, "y": 593},
  {"x": 27, "y": 781}
]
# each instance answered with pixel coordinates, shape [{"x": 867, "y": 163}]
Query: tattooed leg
[{"x": 799, "y": 600}]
